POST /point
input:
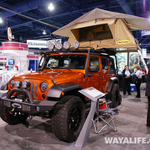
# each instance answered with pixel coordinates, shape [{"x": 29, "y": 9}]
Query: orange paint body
[{"x": 98, "y": 80}]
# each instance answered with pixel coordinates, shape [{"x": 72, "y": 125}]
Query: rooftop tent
[
  {"x": 106, "y": 33},
  {"x": 104, "y": 29}
]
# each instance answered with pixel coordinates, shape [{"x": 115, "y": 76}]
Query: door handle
[
  {"x": 108, "y": 74},
  {"x": 99, "y": 75}
]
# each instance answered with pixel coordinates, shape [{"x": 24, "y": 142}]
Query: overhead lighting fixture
[
  {"x": 1, "y": 20},
  {"x": 44, "y": 32},
  {"x": 51, "y": 7}
]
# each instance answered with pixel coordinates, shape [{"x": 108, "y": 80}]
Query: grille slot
[
  {"x": 32, "y": 88},
  {"x": 35, "y": 91}
]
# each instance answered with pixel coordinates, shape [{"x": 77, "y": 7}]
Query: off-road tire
[
  {"x": 115, "y": 96},
  {"x": 17, "y": 118},
  {"x": 68, "y": 118}
]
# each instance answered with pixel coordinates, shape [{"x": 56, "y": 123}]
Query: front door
[{"x": 94, "y": 79}]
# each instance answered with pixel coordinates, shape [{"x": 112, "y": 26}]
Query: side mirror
[{"x": 93, "y": 69}]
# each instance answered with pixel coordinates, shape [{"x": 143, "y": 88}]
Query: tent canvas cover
[{"x": 105, "y": 29}]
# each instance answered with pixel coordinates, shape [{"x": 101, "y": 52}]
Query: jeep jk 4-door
[{"x": 52, "y": 91}]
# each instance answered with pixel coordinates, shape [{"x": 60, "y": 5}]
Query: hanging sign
[
  {"x": 9, "y": 34},
  {"x": 145, "y": 33}
]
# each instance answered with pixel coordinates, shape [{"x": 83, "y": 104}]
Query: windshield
[{"x": 72, "y": 61}]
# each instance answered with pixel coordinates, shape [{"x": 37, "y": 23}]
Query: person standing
[
  {"x": 148, "y": 96},
  {"x": 139, "y": 80},
  {"x": 126, "y": 80}
]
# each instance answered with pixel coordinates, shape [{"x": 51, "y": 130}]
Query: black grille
[{"x": 30, "y": 87}]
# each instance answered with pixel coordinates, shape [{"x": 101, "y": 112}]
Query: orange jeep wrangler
[{"x": 52, "y": 91}]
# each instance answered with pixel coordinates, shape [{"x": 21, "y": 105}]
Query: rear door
[{"x": 112, "y": 67}]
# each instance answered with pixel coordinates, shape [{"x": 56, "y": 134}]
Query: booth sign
[{"x": 9, "y": 34}]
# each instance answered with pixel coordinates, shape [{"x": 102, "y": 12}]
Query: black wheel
[
  {"x": 16, "y": 118},
  {"x": 68, "y": 118},
  {"x": 115, "y": 96}
]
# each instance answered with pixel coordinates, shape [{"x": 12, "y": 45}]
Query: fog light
[
  {"x": 24, "y": 84},
  {"x": 75, "y": 44},
  {"x": 66, "y": 45},
  {"x": 43, "y": 96},
  {"x": 17, "y": 84},
  {"x": 12, "y": 83},
  {"x": 50, "y": 46},
  {"x": 58, "y": 45},
  {"x": 37, "y": 108}
]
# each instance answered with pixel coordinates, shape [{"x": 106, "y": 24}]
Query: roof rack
[{"x": 82, "y": 49}]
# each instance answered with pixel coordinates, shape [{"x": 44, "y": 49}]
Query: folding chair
[{"x": 103, "y": 110}]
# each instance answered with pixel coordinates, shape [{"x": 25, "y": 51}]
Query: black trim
[
  {"x": 86, "y": 64},
  {"x": 84, "y": 49},
  {"x": 20, "y": 91},
  {"x": 28, "y": 107},
  {"x": 111, "y": 82},
  {"x": 45, "y": 105},
  {"x": 41, "y": 68},
  {"x": 56, "y": 90}
]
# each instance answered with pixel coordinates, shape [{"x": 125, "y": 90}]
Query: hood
[{"x": 57, "y": 76}]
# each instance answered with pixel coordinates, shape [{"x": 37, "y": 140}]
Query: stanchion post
[{"x": 84, "y": 134}]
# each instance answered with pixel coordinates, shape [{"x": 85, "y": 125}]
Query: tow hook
[
  {"x": 12, "y": 111},
  {"x": 30, "y": 117}
]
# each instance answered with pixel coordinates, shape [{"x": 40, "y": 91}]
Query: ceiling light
[
  {"x": 51, "y": 6},
  {"x": 1, "y": 20},
  {"x": 44, "y": 32}
]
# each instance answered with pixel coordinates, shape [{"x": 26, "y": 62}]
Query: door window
[
  {"x": 104, "y": 64},
  {"x": 112, "y": 66},
  {"x": 94, "y": 61}
]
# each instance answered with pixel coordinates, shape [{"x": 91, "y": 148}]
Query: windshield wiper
[
  {"x": 69, "y": 69},
  {"x": 49, "y": 68}
]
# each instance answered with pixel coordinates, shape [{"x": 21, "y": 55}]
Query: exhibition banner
[{"x": 41, "y": 43}]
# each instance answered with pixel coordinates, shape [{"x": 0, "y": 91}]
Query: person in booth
[
  {"x": 139, "y": 74},
  {"x": 148, "y": 96},
  {"x": 126, "y": 80}
]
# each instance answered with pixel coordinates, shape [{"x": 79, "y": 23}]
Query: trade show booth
[{"x": 15, "y": 60}]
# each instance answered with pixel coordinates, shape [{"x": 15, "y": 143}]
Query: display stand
[{"x": 93, "y": 94}]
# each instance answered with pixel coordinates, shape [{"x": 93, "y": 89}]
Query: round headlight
[
  {"x": 75, "y": 44},
  {"x": 17, "y": 84},
  {"x": 12, "y": 83},
  {"x": 43, "y": 86},
  {"x": 66, "y": 45},
  {"x": 58, "y": 45},
  {"x": 50, "y": 46}
]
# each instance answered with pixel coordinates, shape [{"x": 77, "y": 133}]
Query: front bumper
[{"x": 30, "y": 107}]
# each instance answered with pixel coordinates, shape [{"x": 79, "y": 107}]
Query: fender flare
[
  {"x": 112, "y": 81},
  {"x": 56, "y": 90}
]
